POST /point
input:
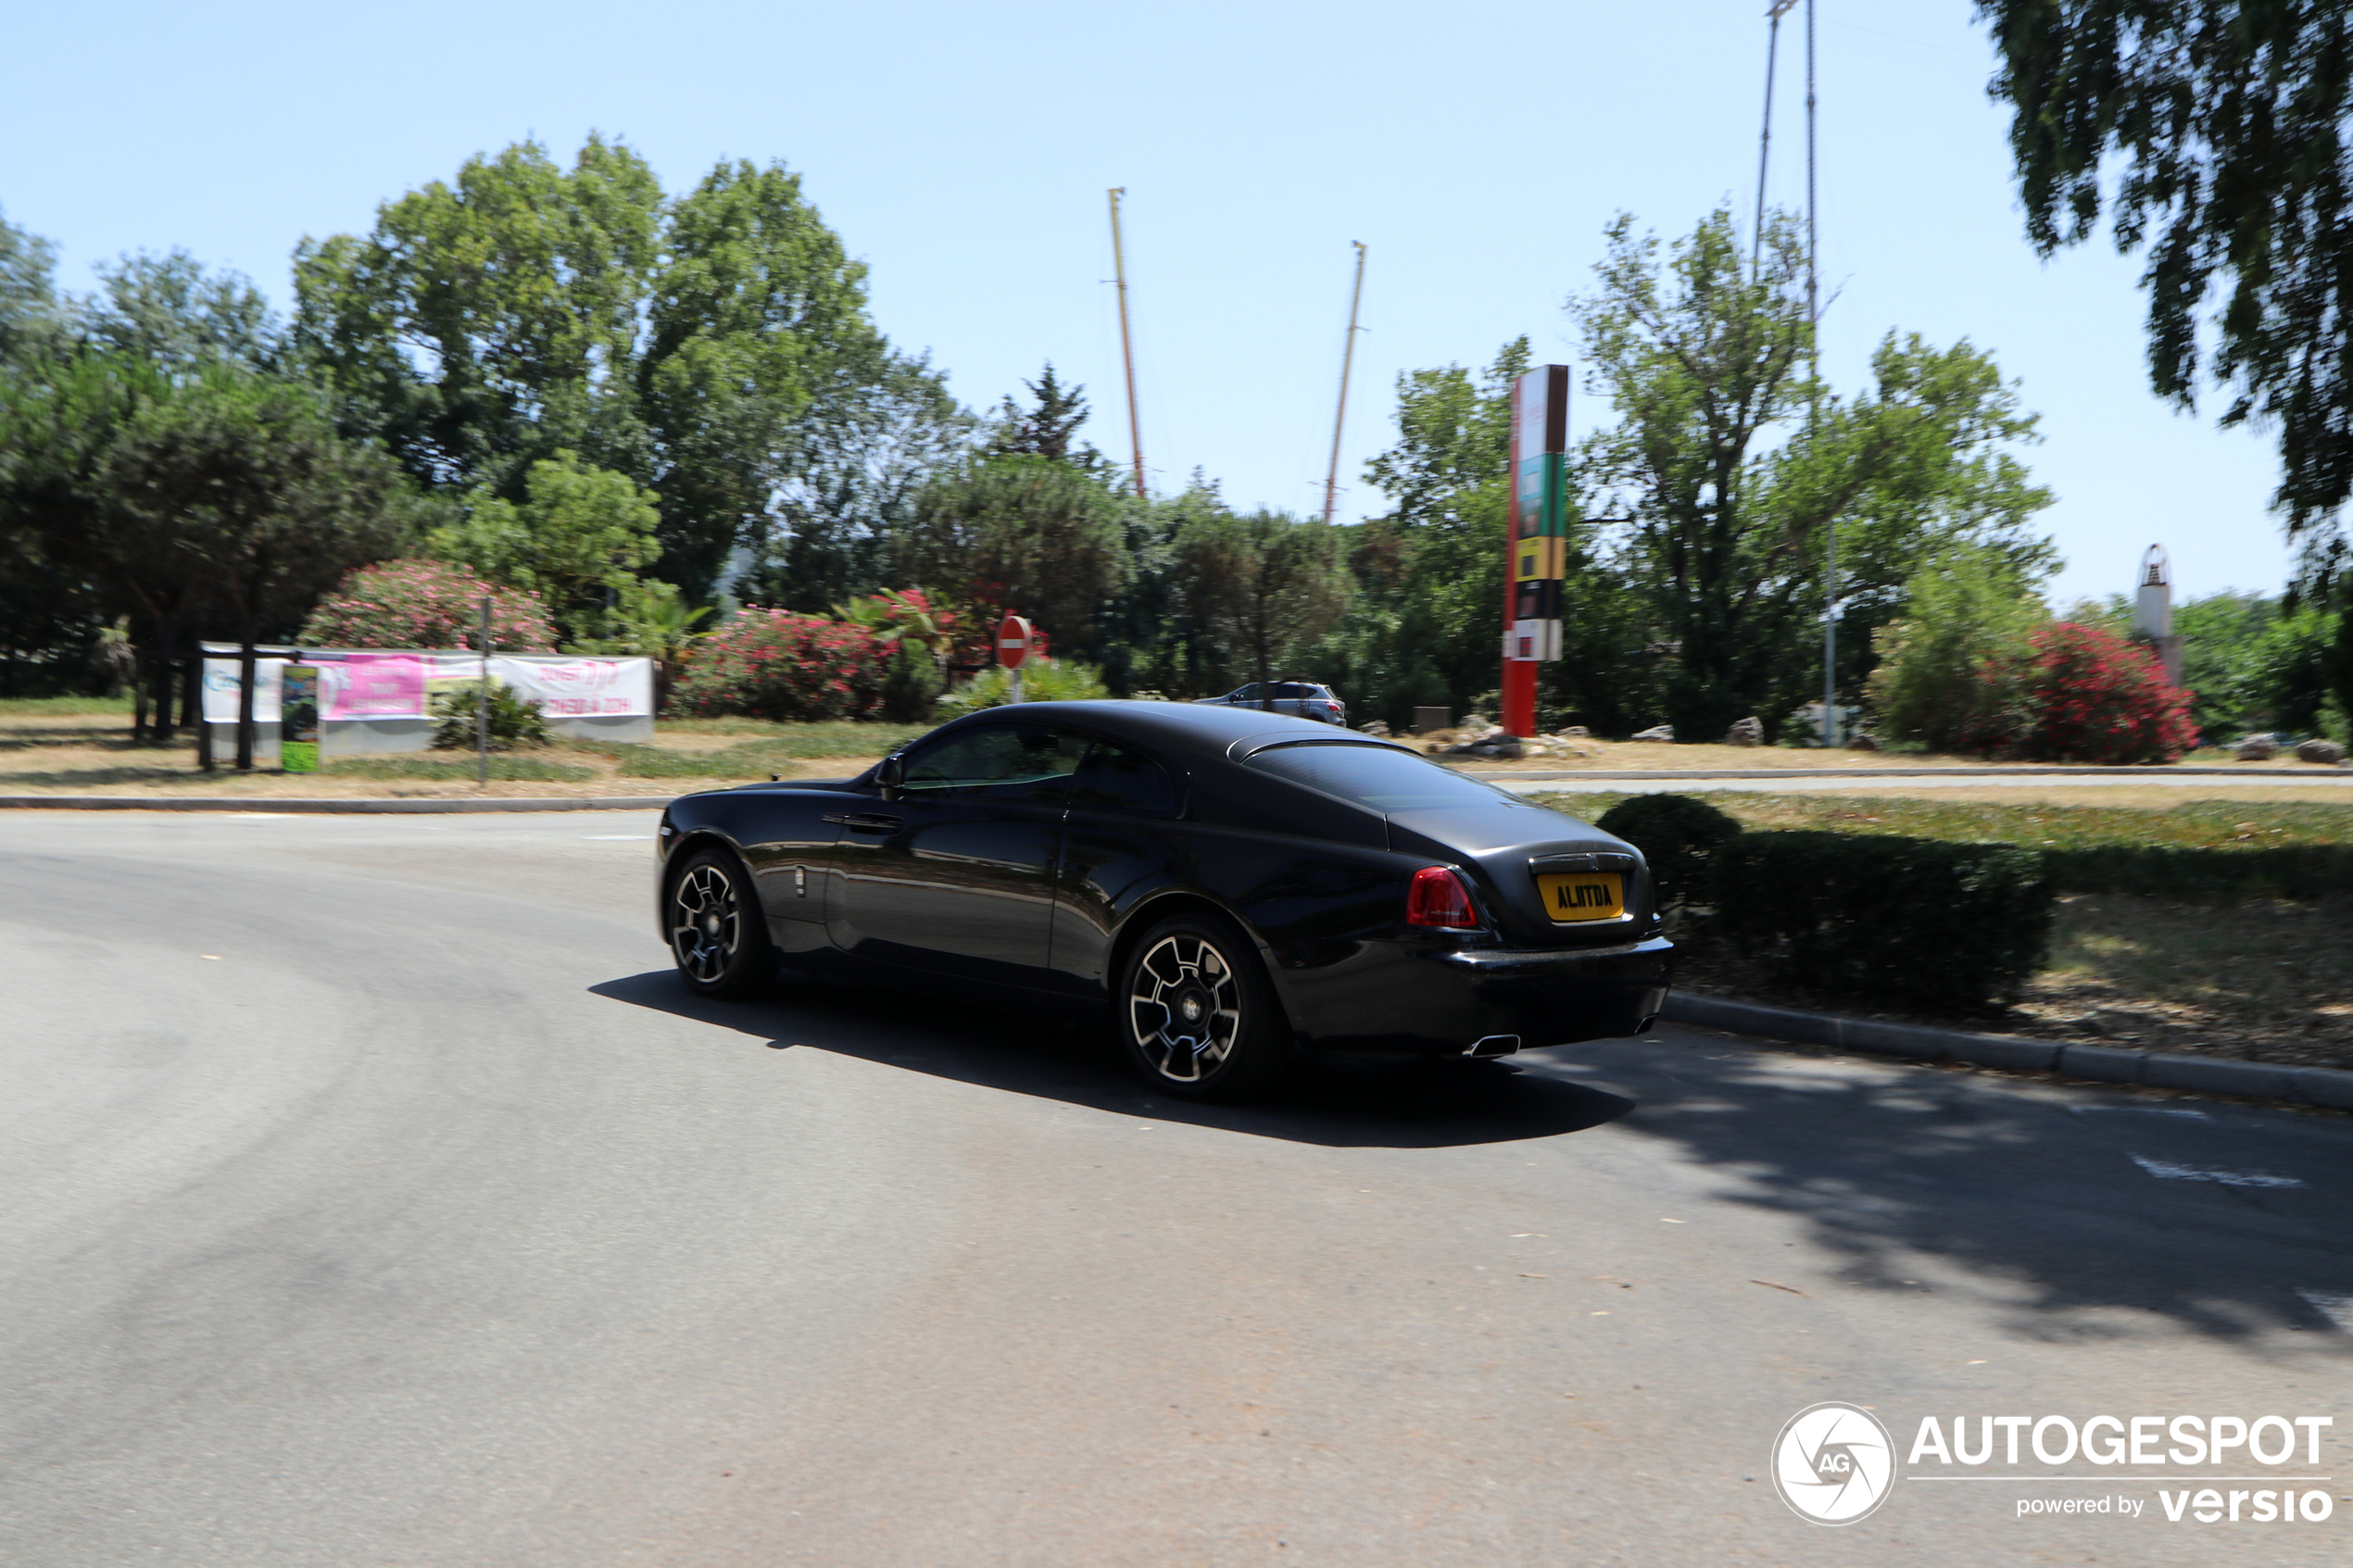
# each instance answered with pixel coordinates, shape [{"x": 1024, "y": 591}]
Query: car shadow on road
[
  {"x": 2068, "y": 1214},
  {"x": 1336, "y": 1104}
]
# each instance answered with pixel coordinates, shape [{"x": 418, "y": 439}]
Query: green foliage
[
  {"x": 773, "y": 664},
  {"x": 581, "y": 533},
  {"x": 1964, "y": 609},
  {"x": 424, "y": 604},
  {"x": 715, "y": 348},
  {"x": 1024, "y": 533},
  {"x": 1679, "y": 836},
  {"x": 33, "y": 327},
  {"x": 1909, "y": 921},
  {"x": 515, "y": 722},
  {"x": 169, "y": 310},
  {"x": 1265, "y": 586},
  {"x": 2220, "y": 127},
  {"x": 1042, "y": 680},
  {"x": 1702, "y": 358}
]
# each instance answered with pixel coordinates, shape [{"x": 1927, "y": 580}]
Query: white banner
[{"x": 387, "y": 683}]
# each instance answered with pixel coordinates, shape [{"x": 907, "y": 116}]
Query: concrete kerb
[
  {"x": 2328, "y": 1087},
  {"x": 391, "y": 805}
]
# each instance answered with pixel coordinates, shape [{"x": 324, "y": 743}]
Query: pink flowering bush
[
  {"x": 424, "y": 604},
  {"x": 2079, "y": 693},
  {"x": 773, "y": 664}
]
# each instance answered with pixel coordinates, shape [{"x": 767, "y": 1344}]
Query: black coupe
[{"x": 1229, "y": 885}]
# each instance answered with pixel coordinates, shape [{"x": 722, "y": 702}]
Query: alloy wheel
[
  {"x": 1185, "y": 1007},
  {"x": 706, "y": 922}
]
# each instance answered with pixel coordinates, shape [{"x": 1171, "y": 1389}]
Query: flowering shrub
[
  {"x": 2083, "y": 695},
  {"x": 773, "y": 664},
  {"x": 424, "y": 604}
]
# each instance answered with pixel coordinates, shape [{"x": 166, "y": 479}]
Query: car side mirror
[{"x": 891, "y": 775}]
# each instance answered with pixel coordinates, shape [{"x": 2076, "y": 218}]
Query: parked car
[
  {"x": 1223, "y": 888},
  {"x": 1302, "y": 699}
]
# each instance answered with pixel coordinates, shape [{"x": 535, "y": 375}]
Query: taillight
[{"x": 1437, "y": 898}]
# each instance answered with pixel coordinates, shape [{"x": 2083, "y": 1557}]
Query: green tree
[
  {"x": 1966, "y": 611},
  {"x": 33, "y": 326},
  {"x": 1266, "y": 586},
  {"x": 1705, "y": 363},
  {"x": 716, "y": 349},
  {"x": 582, "y": 537},
  {"x": 172, "y": 313},
  {"x": 2216, "y": 134},
  {"x": 1023, "y": 533}
]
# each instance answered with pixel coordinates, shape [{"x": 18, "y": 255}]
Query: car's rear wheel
[
  {"x": 718, "y": 935},
  {"x": 1197, "y": 1012}
]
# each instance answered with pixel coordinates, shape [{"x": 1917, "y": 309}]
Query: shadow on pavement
[
  {"x": 2064, "y": 1212},
  {"x": 1340, "y": 1105}
]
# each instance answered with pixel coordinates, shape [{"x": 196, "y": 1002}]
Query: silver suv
[{"x": 1300, "y": 699}]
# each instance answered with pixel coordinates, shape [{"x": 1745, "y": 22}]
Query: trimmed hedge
[
  {"x": 1678, "y": 835},
  {"x": 2294, "y": 870},
  {"x": 1913, "y": 920}
]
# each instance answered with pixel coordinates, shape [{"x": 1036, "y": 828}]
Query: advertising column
[
  {"x": 298, "y": 719},
  {"x": 1536, "y": 539}
]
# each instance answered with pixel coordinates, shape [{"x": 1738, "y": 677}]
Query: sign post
[
  {"x": 298, "y": 719},
  {"x": 482, "y": 702},
  {"x": 1536, "y": 539},
  {"x": 1014, "y": 639}
]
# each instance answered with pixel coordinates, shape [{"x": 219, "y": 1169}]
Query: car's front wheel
[
  {"x": 1197, "y": 1012},
  {"x": 718, "y": 935}
]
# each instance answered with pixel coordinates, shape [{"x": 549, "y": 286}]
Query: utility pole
[
  {"x": 1765, "y": 142},
  {"x": 1127, "y": 344},
  {"x": 1347, "y": 363},
  {"x": 1814, "y": 353}
]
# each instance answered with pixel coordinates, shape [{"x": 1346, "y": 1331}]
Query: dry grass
[
  {"x": 56, "y": 749},
  {"x": 1659, "y": 756}
]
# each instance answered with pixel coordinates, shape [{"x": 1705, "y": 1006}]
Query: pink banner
[{"x": 364, "y": 685}]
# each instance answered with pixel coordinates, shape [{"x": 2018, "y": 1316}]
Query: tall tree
[
  {"x": 1266, "y": 586},
  {"x": 483, "y": 324},
  {"x": 33, "y": 325},
  {"x": 172, "y": 312},
  {"x": 1703, "y": 361},
  {"x": 2216, "y": 133},
  {"x": 1023, "y": 533},
  {"x": 716, "y": 348}
]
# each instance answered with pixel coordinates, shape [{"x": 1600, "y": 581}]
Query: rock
[
  {"x": 1496, "y": 745},
  {"x": 1863, "y": 742},
  {"x": 1656, "y": 732},
  {"x": 1745, "y": 731},
  {"x": 2258, "y": 748},
  {"x": 1577, "y": 731},
  {"x": 1378, "y": 727},
  {"x": 2327, "y": 753}
]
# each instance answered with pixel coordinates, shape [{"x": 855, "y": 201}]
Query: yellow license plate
[{"x": 1577, "y": 896}]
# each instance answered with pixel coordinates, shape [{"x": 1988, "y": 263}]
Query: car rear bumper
[{"x": 1390, "y": 999}]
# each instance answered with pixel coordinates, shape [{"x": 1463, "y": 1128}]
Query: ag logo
[{"x": 1833, "y": 1463}]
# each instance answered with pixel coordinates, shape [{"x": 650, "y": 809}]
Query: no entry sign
[{"x": 1014, "y": 640}]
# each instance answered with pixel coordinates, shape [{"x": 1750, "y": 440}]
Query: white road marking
[
  {"x": 2337, "y": 1309},
  {"x": 2172, "y": 1171}
]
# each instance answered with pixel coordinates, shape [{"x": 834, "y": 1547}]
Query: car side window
[
  {"x": 1244, "y": 693},
  {"x": 1115, "y": 778},
  {"x": 1019, "y": 762}
]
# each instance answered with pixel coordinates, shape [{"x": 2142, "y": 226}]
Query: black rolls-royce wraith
[{"x": 1228, "y": 887}]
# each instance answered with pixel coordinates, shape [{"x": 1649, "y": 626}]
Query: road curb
[
  {"x": 389, "y": 807},
  {"x": 2341, "y": 774},
  {"x": 2329, "y": 1086}
]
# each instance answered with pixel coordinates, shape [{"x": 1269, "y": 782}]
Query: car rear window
[{"x": 1379, "y": 776}]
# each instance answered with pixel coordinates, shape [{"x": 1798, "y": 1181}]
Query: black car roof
[{"x": 1181, "y": 727}]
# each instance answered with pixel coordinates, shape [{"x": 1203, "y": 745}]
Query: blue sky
[{"x": 963, "y": 151}]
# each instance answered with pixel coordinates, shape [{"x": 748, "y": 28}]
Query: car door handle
[{"x": 866, "y": 822}]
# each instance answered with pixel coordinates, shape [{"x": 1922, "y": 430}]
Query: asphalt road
[{"x": 368, "y": 1194}]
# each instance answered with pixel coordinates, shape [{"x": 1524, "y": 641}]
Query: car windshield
[{"x": 1382, "y": 777}]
